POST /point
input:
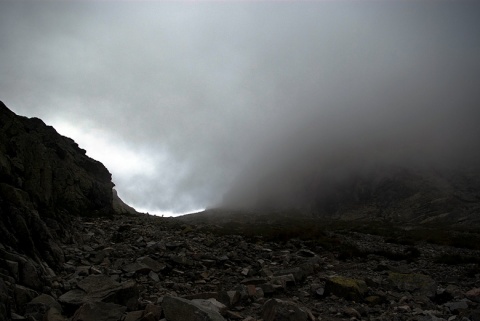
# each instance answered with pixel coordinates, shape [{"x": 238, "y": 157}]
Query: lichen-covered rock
[{"x": 350, "y": 289}]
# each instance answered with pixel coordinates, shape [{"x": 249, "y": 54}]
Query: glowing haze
[{"x": 183, "y": 100}]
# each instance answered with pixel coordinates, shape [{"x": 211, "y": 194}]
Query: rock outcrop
[
  {"x": 44, "y": 179},
  {"x": 46, "y": 183}
]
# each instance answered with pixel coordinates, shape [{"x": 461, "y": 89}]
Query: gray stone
[
  {"x": 269, "y": 288},
  {"x": 178, "y": 309},
  {"x": 154, "y": 310},
  {"x": 283, "y": 280},
  {"x": 280, "y": 310},
  {"x": 75, "y": 297},
  {"x": 99, "y": 311},
  {"x": 297, "y": 273},
  {"x": 149, "y": 317},
  {"x": 41, "y": 304},
  {"x": 134, "y": 316},
  {"x": 154, "y": 276},
  {"x": 182, "y": 260},
  {"x": 54, "y": 314},
  {"x": 229, "y": 298},
  {"x": 212, "y": 304},
  {"x": 306, "y": 253},
  {"x": 456, "y": 307},
  {"x": 23, "y": 295},
  {"x": 254, "y": 281},
  {"x": 101, "y": 288},
  {"x": 127, "y": 295},
  {"x": 98, "y": 284},
  {"x": 473, "y": 294},
  {"x": 136, "y": 267},
  {"x": 154, "y": 265},
  {"x": 414, "y": 283}
]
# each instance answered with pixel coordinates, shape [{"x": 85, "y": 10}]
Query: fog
[{"x": 190, "y": 104}]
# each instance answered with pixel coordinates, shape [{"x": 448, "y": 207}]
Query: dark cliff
[{"x": 45, "y": 180}]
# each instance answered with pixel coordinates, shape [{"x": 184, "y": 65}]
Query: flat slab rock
[
  {"x": 178, "y": 309},
  {"x": 99, "y": 311}
]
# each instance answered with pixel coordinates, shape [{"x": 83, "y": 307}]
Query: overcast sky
[{"x": 179, "y": 99}]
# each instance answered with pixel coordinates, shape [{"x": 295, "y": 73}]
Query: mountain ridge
[{"x": 45, "y": 180}]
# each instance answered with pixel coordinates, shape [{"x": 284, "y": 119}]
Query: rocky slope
[
  {"x": 66, "y": 255},
  {"x": 45, "y": 181},
  {"x": 150, "y": 268}
]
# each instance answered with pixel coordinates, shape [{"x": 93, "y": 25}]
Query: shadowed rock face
[{"x": 44, "y": 178}]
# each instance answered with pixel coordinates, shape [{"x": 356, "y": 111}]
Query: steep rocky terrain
[
  {"x": 66, "y": 253},
  {"x": 45, "y": 181}
]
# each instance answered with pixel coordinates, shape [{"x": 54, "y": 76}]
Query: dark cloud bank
[{"x": 241, "y": 102}]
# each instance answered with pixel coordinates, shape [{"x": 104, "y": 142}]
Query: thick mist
[
  {"x": 195, "y": 104},
  {"x": 330, "y": 149}
]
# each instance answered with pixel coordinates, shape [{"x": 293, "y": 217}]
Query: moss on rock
[{"x": 348, "y": 288}]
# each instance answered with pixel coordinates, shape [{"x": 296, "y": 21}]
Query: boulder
[
  {"x": 280, "y": 310},
  {"x": 23, "y": 295},
  {"x": 54, "y": 314},
  {"x": 99, "y": 311},
  {"x": 134, "y": 316},
  {"x": 136, "y": 267},
  {"x": 154, "y": 310},
  {"x": 414, "y": 283},
  {"x": 298, "y": 273},
  {"x": 73, "y": 298},
  {"x": 98, "y": 285},
  {"x": 473, "y": 294},
  {"x": 154, "y": 265},
  {"x": 178, "y": 309},
  {"x": 350, "y": 289},
  {"x": 101, "y": 288},
  {"x": 212, "y": 304},
  {"x": 40, "y": 305}
]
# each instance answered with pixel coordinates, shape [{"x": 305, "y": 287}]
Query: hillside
[
  {"x": 392, "y": 244},
  {"x": 382, "y": 193}
]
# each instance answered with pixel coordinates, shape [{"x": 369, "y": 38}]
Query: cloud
[{"x": 193, "y": 94}]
